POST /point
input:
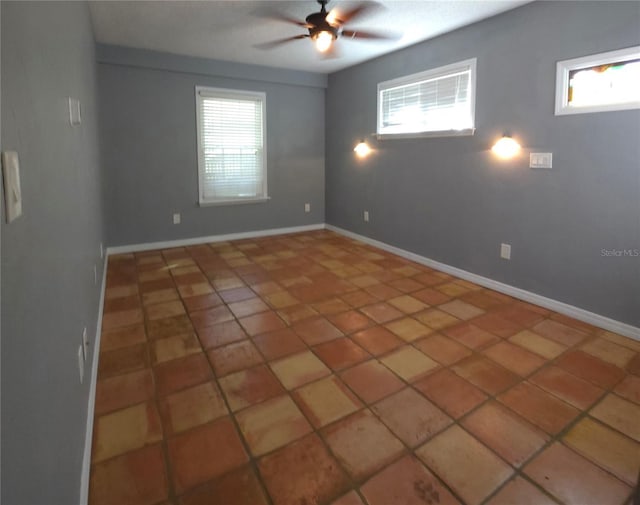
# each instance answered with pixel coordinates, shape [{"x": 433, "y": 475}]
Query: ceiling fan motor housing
[{"x": 318, "y": 23}]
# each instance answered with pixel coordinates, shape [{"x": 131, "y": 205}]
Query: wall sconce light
[
  {"x": 362, "y": 150},
  {"x": 506, "y": 147}
]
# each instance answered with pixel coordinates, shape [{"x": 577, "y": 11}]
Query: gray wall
[
  {"x": 148, "y": 124},
  {"x": 48, "y": 291},
  {"x": 449, "y": 199}
]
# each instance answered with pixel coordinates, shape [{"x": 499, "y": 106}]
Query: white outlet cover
[
  {"x": 505, "y": 251},
  {"x": 176, "y": 218},
  {"x": 81, "y": 364},
  {"x": 101, "y": 251},
  {"x": 366, "y": 215},
  {"x": 75, "y": 117},
  {"x": 307, "y": 207},
  {"x": 12, "y": 191}
]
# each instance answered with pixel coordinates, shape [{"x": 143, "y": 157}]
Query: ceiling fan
[{"x": 325, "y": 27}]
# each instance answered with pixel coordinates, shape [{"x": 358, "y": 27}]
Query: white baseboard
[
  {"x": 95, "y": 355},
  {"x": 548, "y": 303},
  {"x": 150, "y": 246}
]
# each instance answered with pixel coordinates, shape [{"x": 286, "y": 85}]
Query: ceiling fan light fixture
[{"x": 323, "y": 40}]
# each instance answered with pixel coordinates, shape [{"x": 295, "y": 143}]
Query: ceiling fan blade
[
  {"x": 345, "y": 17},
  {"x": 363, "y": 35},
  {"x": 275, "y": 43}
]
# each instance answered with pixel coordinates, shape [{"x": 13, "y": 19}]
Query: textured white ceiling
[{"x": 229, "y": 30}]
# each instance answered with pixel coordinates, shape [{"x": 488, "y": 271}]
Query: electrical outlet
[
  {"x": 176, "y": 218},
  {"x": 505, "y": 251},
  {"x": 85, "y": 343},
  {"x": 366, "y": 216},
  {"x": 307, "y": 207},
  {"x": 80, "y": 364},
  {"x": 101, "y": 251},
  {"x": 95, "y": 275}
]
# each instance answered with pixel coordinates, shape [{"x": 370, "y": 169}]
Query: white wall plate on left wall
[{"x": 11, "y": 177}]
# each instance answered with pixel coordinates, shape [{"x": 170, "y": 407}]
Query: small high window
[
  {"x": 438, "y": 102},
  {"x": 232, "y": 165},
  {"x": 600, "y": 82}
]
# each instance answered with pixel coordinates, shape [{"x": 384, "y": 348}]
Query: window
[
  {"x": 437, "y": 102},
  {"x": 232, "y": 164},
  {"x": 600, "y": 82}
]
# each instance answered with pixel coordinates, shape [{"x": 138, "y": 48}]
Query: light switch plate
[
  {"x": 75, "y": 117},
  {"x": 12, "y": 192},
  {"x": 540, "y": 160}
]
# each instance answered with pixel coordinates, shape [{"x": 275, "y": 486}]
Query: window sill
[
  {"x": 238, "y": 201},
  {"x": 415, "y": 135}
]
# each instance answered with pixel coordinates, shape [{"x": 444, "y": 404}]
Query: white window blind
[
  {"x": 438, "y": 100},
  {"x": 231, "y": 150}
]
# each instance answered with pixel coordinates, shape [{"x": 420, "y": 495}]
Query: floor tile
[
  {"x": 461, "y": 310},
  {"x": 629, "y": 388},
  {"x": 521, "y": 492},
  {"x": 451, "y": 393},
  {"x": 482, "y": 372},
  {"x": 627, "y": 342},
  {"x": 507, "y": 434},
  {"x": 577, "y": 392},
  {"x": 411, "y": 417},
  {"x": 196, "y": 289},
  {"x": 540, "y": 345},
  {"x": 236, "y": 295},
  {"x": 436, "y": 319},
  {"x": 381, "y": 312},
  {"x": 164, "y": 295},
  {"x": 470, "y": 335},
  {"x": 350, "y": 321},
  {"x": 452, "y": 289},
  {"x": 407, "y": 304},
  {"x": 634, "y": 365},
  {"x": 123, "y": 390},
  {"x": 122, "y": 337},
  {"x": 123, "y": 360},
  {"x": 239, "y": 487},
  {"x": 250, "y": 386},
  {"x": 190, "y": 453},
  {"x": 168, "y": 327},
  {"x": 178, "y": 346},
  {"x": 351, "y": 498},
  {"x": 609, "y": 352},
  {"x": 121, "y": 318},
  {"x": 559, "y": 332},
  {"x": 431, "y": 296},
  {"x": 540, "y": 408},
  {"x": 362, "y": 444},
  {"x": 496, "y": 324},
  {"x": 590, "y": 368},
  {"x": 620, "y": 414},
  {"x": 409, "y": 363},
  {"x": 326, "y": 401},
  {"x": 606, "y": 448},
  {"x": 135, "y": 478},
  {"x": 472, "y": 470},
  {"x": 125, "y": 430},
  {"x": 316, "y": 331},
  {"x": 281, "y": 299},
  {"x": 357, "y": 299},
  {"x": 406, "y": 285},
  {"x": 221, "y": 334},
  {"x": 299, "y": 369},
  {"x": 444, "y": 350},
  {"x": 382, "y": 291},
  {"x": 162, "y": 310},
  {"x": 272, "y": 424},
  {"x": 572, "y": 479},
  {"x": 377, "y": 340},
  {"x": 279, "y": 343},
  {"x": 521, "y": 315},
  {"x": 408, "y": 329},
  {"x": 208, "y": 317},
  {"x": 340, "y": 353},
  {"x": 192, "y": 407},
  {"x": 181, "y": 373},
  {"x": 406, "y": 482},
  {"x": 303, "y": 473},
  {"x": 233, "y": 357},
  {"x": 514, "y": 358},
  {"x": 335, "y": 305},
  {"x": 296, "y": 313},
  {"x": 202, "y": 302},
  {"x": 248, "y": 307},
  {"x": 371, "y": 381}
]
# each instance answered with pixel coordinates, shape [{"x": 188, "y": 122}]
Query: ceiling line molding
[{"x": 155, "y": 60}]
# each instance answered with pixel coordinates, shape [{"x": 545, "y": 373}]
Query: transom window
[
  {"x": 437, "y": 102},
  {"x": 231, "y": 149},
  {"x": 600, "y": 82}
]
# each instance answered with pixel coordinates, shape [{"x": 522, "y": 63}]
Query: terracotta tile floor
[{"x": 313, "y": 369}]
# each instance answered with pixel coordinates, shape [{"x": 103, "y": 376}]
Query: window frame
[
  {"x": 201, "y": 92},
  {"x": 565, "y": 67},
  {"x": 442, "y": 71}
]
